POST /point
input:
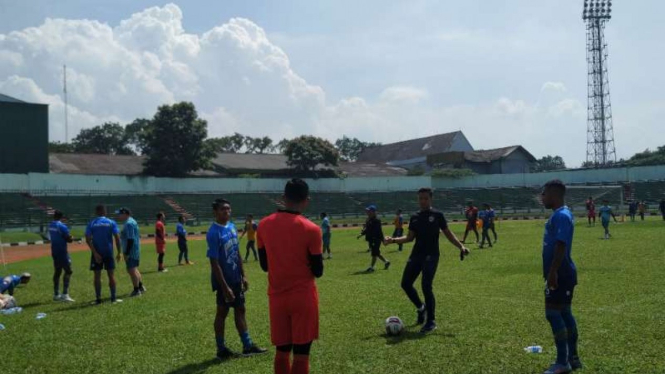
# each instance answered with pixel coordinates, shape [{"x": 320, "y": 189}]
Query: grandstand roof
[
  {"x": 9, "y": 99},
  {"x": 98, "y": 164},
  {"x": 368, "y": 169},
  {"x": 240, "y": 162},
  {"x": 489, "y": 155},
  {"x": 410, "y": 149}
]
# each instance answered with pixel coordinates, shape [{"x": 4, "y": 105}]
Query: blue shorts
[
  {"x": 562, "y": 295},
  {"x": 606, "y": 224},
  {"x": 108, "y": 263},
  {"x": 326, "y": 240},
  {"x": 62, "y": 262},
  {"x": 238, "y": 302},
  {"x": 131, "y": 263}
]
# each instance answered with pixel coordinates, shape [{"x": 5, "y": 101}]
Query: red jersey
[
  {"x": 289, "y": 239},
  {"x": 160, "y": 231},
  {"x": 472, "y": 214},
  {"x": 590, "y": 206}
]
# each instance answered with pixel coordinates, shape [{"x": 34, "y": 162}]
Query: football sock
[
  {"x": 300, "y": 364},
  {"x": 560, "y": 335},
  {"x": 140, "y": 284},
  {"x": 98, "y": 291},
  {"x": 112, "y": 293},
  {"x": 221, "y": 343},
  {"x": 571, "y": 326},
  {"x": 246, "y": 340},
  {"x": 282, "y": 362},
  {"x": 65, "y": 284},
  {"x": 56, "y": 287}
]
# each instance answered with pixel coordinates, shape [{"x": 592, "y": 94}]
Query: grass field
[{"x": 489, "y": 307}]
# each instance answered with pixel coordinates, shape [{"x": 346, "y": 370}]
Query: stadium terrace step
[{"x": 170, "y": 201}]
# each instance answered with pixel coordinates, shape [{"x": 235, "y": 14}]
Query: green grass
[
  {"x": 489, "y": 307},
  {"x": 17, "y": 236}
]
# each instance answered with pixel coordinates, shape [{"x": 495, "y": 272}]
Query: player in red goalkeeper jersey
[{"x": 290, "y": 250}]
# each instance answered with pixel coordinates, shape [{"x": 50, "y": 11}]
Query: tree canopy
[
  {"x": 549, "y": 163},
  {"x": 304, "y": 153},
  {"x": 108, "y": 138},
  {"x": 349, "y": 149}
]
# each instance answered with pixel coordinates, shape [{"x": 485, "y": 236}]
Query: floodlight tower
[{"x": 600, "y": 132}]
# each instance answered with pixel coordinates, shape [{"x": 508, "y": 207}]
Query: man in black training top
[
  {"x": 424, "y": 227},
  {"x": 374, "y": 235}
]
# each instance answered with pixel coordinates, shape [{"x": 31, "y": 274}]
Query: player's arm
[
  {"x": 553, "y": 276},
  {"x": 263, "y": 256},
  {"x": 116, "y": 237},
  {"x": 219, "y": 277},
  {"x": 316, "y": 253},
  {"x": 408, "y": 238},
  {"x": 245, "y": 282},
  {"x": 244, "y": 231},
  {"x": 88, "y": 240}
]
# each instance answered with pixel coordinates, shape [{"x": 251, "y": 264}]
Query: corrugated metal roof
[
  {"x": 98, "y": 164},
  {"x": 489, "y": 155},
  {"x": 409, "y": 149}
]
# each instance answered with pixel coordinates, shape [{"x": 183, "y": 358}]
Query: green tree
[
  {"x": 306, "y": 152},
  {"x": 549, "y": 163},
  {"x": 349, "y": 149},
  {"x": 281, "y": 146},
  {"x": 258, "y": 145},
  {"x": 174, "y": 142},
  {"x": 135, "y": 134},
  {"x": 58, "y": 147},
  {"x": 108, "y": 138},
  {"x": 648, "y": 157},
  {"x": 227, "y": 144}
]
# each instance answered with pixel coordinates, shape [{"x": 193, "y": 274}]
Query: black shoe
[
  {"x": 135, "y": 293},
  {"x": 429, "y": 327},
  {"x": 422, "y": 316},
  {"x": 97, "y": 302},
  {"x": 387, "y": 265},
  {"x": 225, "y": 354},
  {"x": 142, "y": 289},
  {"x": 253, "y": 351}
]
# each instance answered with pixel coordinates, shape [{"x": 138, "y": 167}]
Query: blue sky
[{"x": 505, "y": 72}]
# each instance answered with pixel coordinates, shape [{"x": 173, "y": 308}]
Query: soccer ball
[{"x": 394, "y": 326}]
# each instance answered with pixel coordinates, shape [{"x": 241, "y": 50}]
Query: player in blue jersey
[
  {"x": 560, "y": 276},
  {"x": 605, "y": 213},
  {"x": 9, "y": 283},
  {"x": 181, "y": 233},
  {"x": 60, "y": 236},
  {"x": 487, "y": 216},
  {"x": 131, "y": 244},
  {"x": 100, "y": 234},
  {"x": 326, "y": 233},
  {"x": 228, "y": 280}
]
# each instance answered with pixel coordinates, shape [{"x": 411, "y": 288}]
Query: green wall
[{"x": 23, "y": 138}]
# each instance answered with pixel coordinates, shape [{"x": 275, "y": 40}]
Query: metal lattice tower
[{"x": 600, "y": 132}]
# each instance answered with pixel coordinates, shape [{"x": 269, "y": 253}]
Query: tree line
[{"x": 175, "y": 142}]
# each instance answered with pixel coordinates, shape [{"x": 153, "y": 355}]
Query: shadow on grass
[
  {"x": 362, "y": 272},
  {"x": 196, "y": 368},
  {"x": 30, "y": 305},
  {"x": 411, "y": 335}
]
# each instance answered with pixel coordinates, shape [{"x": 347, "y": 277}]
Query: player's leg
[
  {"x": 249, "y": 348},
  {"x": 65, "y": 283},
  {"x": 98, "y": 285},
  {"x": 571, "y": 326},
  {"x": 411, "y": 272},
  {"x": 181, "y": 252},
  {"x": 301, "y": 358},
  {"x": 112, "y": 285},
  {"x": 430, "y": 264},
  {"x": 187, "y": 254},
  {"x": 253, "y": 248},
  {"x": 282, "y": 363},
  {"x": 496, "y": 237},
  {"x": 56, "y": 283},
  {"x": 475, "y": 231},
  {"x": 219, "y": 325},
  {"x": 466, "y": 233},
  {"x": 247, "y": 251},
  {"x": 487, "y": 235}
]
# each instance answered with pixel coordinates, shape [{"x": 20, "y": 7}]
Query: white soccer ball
[{"x": 394, "y": 326}]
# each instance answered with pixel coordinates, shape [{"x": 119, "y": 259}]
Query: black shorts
[
  {"x": 398, "y": 233},
  {"x": 562, "y": 295},
  {"x": 375, "y": 248},
  {"x": 238, "y": 302},
  {"x": 182, "y": 245},
  {"x": 108, "y": 263},
  {"x": 62, "y": 263}
]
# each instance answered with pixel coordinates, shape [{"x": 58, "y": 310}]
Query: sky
[{"x": 504, "y": 72}]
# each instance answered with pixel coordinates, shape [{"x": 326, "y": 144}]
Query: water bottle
[
  {"x": 2, "y": 327},
  {"x": 534, "y": 349},
  {"x": 41, "y": 315}
]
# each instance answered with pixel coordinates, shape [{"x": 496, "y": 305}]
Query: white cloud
[{"x": 242, "y": 82}]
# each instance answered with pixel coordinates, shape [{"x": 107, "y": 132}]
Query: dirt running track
[{"x": 16, "y": 254}]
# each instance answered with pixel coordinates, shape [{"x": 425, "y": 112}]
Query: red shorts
[
  {"x": 294, "y": 317},
  {"x": 160, "y": 248},
  {"x": 591, "y": 214}
]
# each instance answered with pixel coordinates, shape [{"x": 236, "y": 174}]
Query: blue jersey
[
  {"x": 102, "y": 230},
  {"x": 223, "y": 246},
  {"x": 131, "y": 231},
  {"x": 8, "y": 283},
  {"x": 560, "y": 228},
  {"x": 605, "y": 213},
  {"x": 486, "y": 216},
  {"x": 325, "y": 226},
  {"x": 58, "y": 232},
  {"x": 181, "y": 232}
]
